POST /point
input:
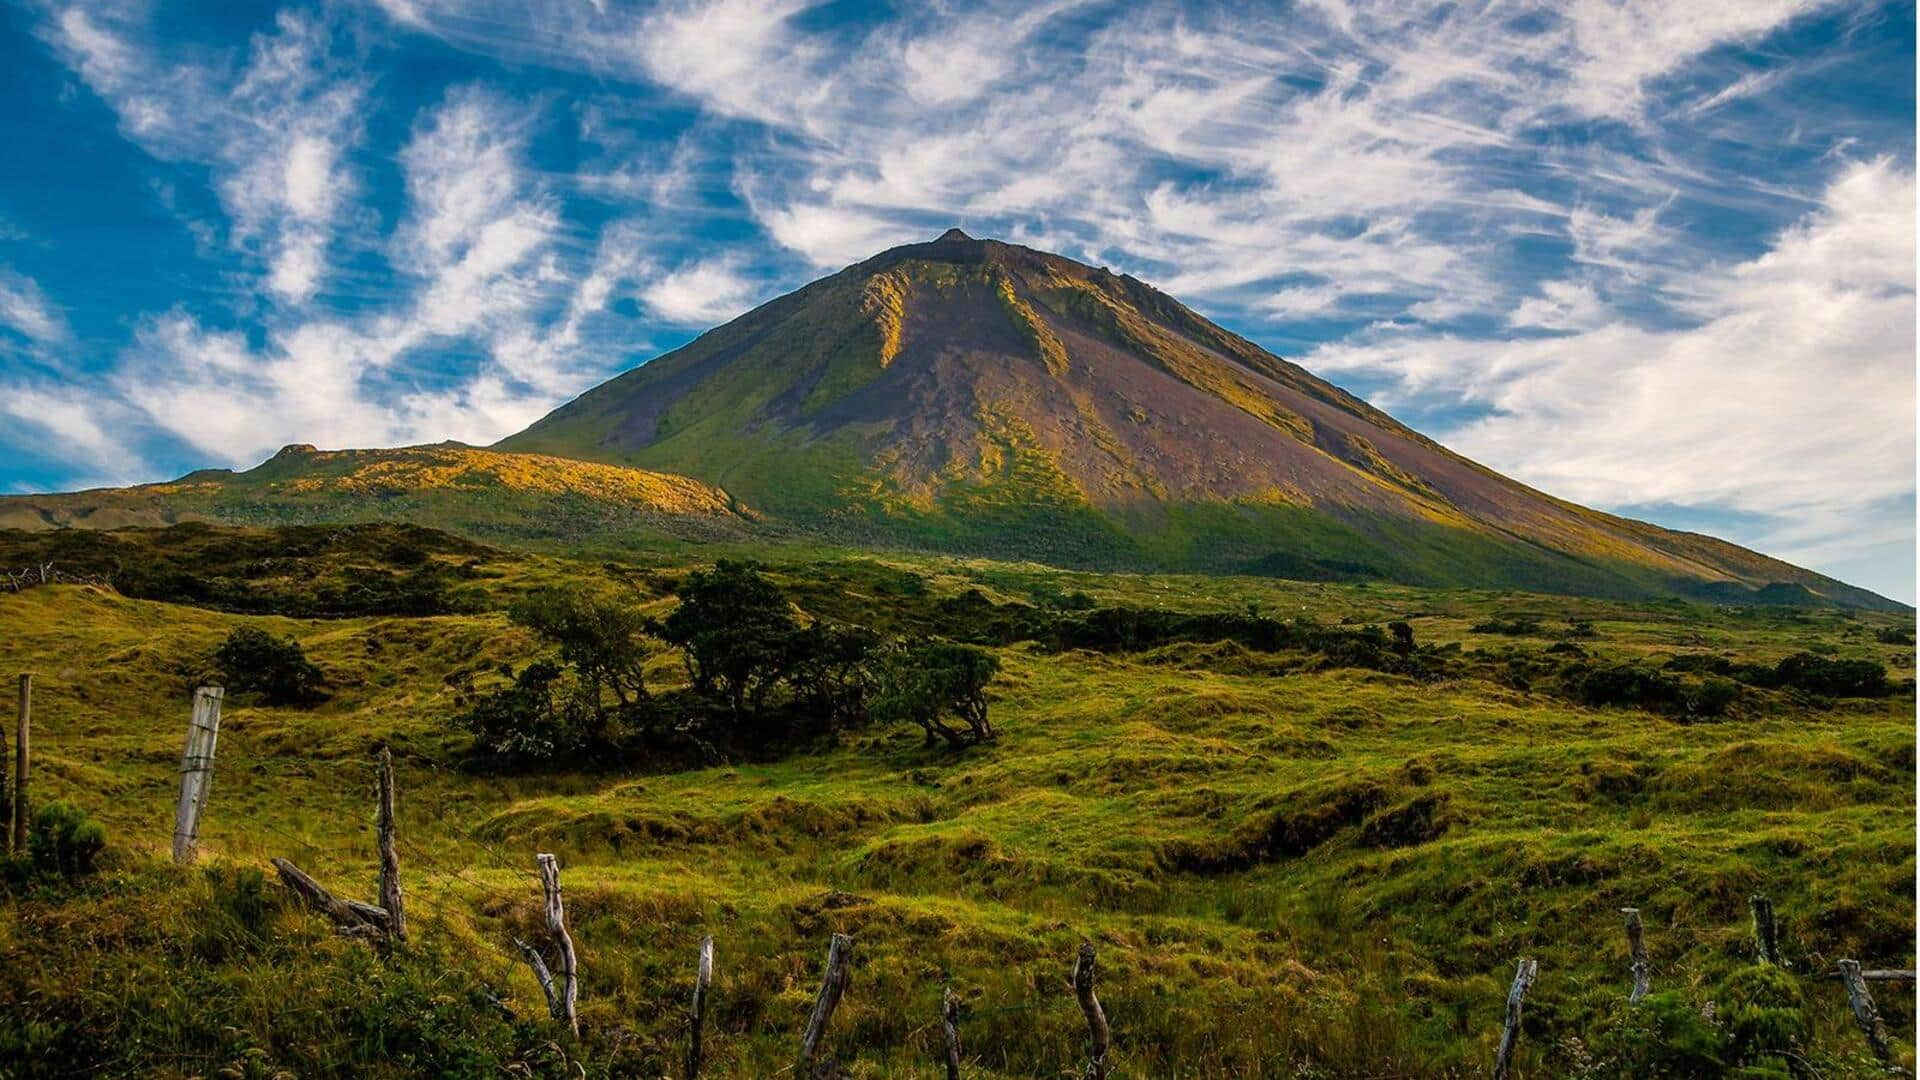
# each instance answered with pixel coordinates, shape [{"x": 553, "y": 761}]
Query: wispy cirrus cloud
[
  {"x": 423, "y": 214},
  {"x": 1789, "y": 396}
]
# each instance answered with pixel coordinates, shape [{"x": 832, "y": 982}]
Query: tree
[
  {"x": 922, "y": 684},
  {"x": 602, "y": 638},
  {"x": 737, "y": 633},
  {"x": 253, "y": 661},
  {"x": 828, "y": 668}
]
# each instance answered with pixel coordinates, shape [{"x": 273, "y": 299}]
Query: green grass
[{"x": 1122, "y": 804}]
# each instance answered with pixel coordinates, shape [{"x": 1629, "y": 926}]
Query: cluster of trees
[{"x": 758, "y": 673}]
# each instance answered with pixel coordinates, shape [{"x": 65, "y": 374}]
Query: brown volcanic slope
[{"x": 972, "y": 395}]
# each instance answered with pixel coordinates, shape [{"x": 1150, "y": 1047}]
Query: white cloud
[
  {"x": 26, "y": 309},
  {"x": 1791, "y": 397},
  {"x": 275, "y": 133},
  {"x": 700, "y": 293}
]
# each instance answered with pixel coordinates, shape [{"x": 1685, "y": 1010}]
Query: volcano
[{"x": 981, "y": 397}]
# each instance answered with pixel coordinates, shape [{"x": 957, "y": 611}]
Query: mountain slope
[
  {"x": 977, "y": 396},
  {"x": 482, "y": 493}
]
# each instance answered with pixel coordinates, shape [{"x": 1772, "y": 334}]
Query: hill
[
  {"x": 480, "y": 493},
  {"x": 976, "y": 396},
  {"x": 1292, "y": 862}
]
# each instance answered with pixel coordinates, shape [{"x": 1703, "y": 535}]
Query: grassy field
[{"x": 1288, "y": 867}]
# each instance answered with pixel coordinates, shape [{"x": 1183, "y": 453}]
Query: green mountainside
[{"x": 973, "y": 396}]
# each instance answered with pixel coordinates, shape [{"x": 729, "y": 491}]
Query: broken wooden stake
[
  {"x": 1523, "y": 978},
  {"x": 1637, "y": 948},
  {"x": 698, "y": 1019},
  {"x": 22, "y": 763},
  {"x": 541, "y": 973},
  {"x": 1099, "y": 1036},
  {"x": 566, "y": 993},
  {"x": 350, "y": 917},
  {"x": 196, "y": 772},
  {"x": 832, "y": 984},
  {"x": 390, "y": 897},
  {"x": 1766, "y": 932},
  {"x": 1865, "y": 1014},
  {"x": 950, "y": 1028}
]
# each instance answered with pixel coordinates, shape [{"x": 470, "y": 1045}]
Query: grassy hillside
[
  {"x": 477, "y": 493},
  {"x": 1289, "y": 866}
]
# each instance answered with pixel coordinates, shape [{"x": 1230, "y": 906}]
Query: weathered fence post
[
  {"x": 1099, "y": 1036},
  {"x": 568, "y": 991},
  {"x": 701, "y": 980},
  {"x": 950, "y": 1028},
  {"x": 1864, "y": 1012},
  {"x": 22, "y": 762},
  {"x": 832, "y": 984},
  {"x": 390, "y": 897},
  {"x": 350, "y": 917},
  {"x": 1637, "y": 948},
  {"x": 1766, "y": 932},
  {"x": 196, "y": 771},
  {"x": 1523, "y": 978}
]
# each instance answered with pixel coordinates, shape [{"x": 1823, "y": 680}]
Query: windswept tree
[
  {"x": 602, "y": 637},
  {"x": 829, "y": 668},
  {"x": 736, "y": 631},
  {"x": 925, "y": 683}
]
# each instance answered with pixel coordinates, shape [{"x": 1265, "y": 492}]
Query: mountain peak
[{"x": 989, "y": 398}]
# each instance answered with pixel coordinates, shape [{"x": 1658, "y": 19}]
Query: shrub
[
  {"x": 1664, "y": 1037},
  {"x": 64, "y": 840},
  {"x": 1832, "y": 678},
  {"x": 1893, "y": 635},
  {"x": 737, "y": 631},
  {"x": 1517, "y": 626},
  {"x": 541, "y": 716},
  {"x": 251, "y": 660},
  {"x": 1764, "y": 1015},
  {"x": 922, "y": 684}
]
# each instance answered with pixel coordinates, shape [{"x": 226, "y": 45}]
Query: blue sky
[{"x": 1655, "y": 257}]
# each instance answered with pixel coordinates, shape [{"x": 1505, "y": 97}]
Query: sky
[{"x": 1654, "y": 256}]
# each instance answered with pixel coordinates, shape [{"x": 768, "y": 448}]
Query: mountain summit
[{"x": 978, "y": 396}]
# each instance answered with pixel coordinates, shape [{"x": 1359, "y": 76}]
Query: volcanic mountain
[{"x": 976, "y": 396}]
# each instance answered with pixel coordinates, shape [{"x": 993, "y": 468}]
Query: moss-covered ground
[{"x": 1287, "y": 868}]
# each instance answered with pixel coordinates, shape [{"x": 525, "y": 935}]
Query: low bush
[
  {"x": 64, "y": 840},
  {"x": 251, "y": 660}
]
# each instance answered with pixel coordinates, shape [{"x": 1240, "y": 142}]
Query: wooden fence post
[
  {"x": 1865, "y": 1014},
  {"x": 568, "y": 991},
  {"x": 390, "y": 897},
  {"x": 950, "y": 1028},
  {"x": 351, "y": 917},
  {"x": 832, "y": 984},
  {"x": 196, "y": 771},
  {"x": 22, "y": 763},
  {"x": 1099, "y": 1036},
  {"x": 1523, "y": 978},
  {"x": 1637, "y": 947},
  {"x": 701, "y": 981},
  {"x": 1766, "y": 932}
]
